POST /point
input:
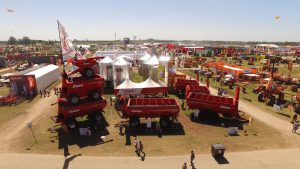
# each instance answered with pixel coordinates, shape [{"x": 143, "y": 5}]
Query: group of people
[
  {"x": 57, "y": 90},
  {"x": 139, "y": 148},
  {"x": 45, "y": 93},
  {"x": 184, "y": 166}
]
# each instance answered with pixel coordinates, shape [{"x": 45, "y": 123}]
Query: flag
[{"x": 67, "y": 48}]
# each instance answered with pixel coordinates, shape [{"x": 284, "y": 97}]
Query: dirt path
[
  {"x": 275, "y": 159},
  {"x": 12, "y": 128}
]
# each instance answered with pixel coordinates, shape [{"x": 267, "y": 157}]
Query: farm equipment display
[
  {"x": 196, "y": 89},
  {"x": 164, "y": 108},
  {"x": 180, "y": 85},
  {"x": 206, "y": 103},
  {"x": 81, "y": 96},
  {"x": 67, "y": 113},
  {"x": 84, "y": 66},
  {"x": 80, "y": 88}
]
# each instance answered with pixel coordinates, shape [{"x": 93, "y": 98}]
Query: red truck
[
  {"x": 164, "y": 108},
  {"x": 228, "y": 107},
  {"x": 80, "y": 88},
  {"x": 67, "y": 112}
]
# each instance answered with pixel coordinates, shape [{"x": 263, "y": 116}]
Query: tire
[
  {"x": 134, "y": 122},
  {"x": 164, "y": 122},
  {"x": 74, "y": 99},
  {"x": 89, "y": 73},
  {"x": 96, "y": 95},
  {"x": 260, "y": 97},
  {"x": 297, "y": 108}
]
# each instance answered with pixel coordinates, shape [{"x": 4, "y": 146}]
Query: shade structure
[
  {"x": 147, "y": 87},
  {"x": 106, "y": 69},
  {"x": 121, "y": 71}
]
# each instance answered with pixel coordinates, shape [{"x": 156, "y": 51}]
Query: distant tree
[
  {"x": 26, "y": 40},
  {"x": 12, "y": 41}
]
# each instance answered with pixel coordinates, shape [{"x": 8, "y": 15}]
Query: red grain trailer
[
  {"x": 181, "y": 84},
  {"x": 196, "y": 89},
  {"x": 68, "y": 112},
  {"x": 164, "y": 108},
  {"x": 228, "y": 107},
  {"x": 80, "y": 88}
]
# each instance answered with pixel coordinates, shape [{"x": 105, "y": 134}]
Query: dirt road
[
  {"x": 275, "y": 159},
  {"x": 14, "y": 126}
]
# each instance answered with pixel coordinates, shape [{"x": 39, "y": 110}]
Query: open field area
[{"x": 188, "y": 135}]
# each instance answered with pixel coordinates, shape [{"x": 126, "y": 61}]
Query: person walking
[
  {"x": 45, "y": 93},
  {"x": 192, "y": 158},
  {"x": 136, "y": 144},
  {"x": 41, "y": 94},
  {"x": 295, "y": 126},
  {"x": 141, "y": 147},
  {"x": 121, "y": 126}
]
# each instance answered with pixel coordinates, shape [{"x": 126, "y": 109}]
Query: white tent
[
  {"x": 164, "y": 60},
  {"x": 152, "y": 63},
  {"x": 121, "y": 71},
  {"x": 149, "y": 83},
  {"x": 145, "y": 57},
  {"x": 131, "y": 88},
  {"x": 105, "y": 66}
]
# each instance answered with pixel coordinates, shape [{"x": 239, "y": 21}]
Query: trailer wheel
[
  {"x": 96, "y": 95},
  {"x": 74, "y": 99},
  {"x": 164, "y": 122},
  {"x": 134, "y": 122},
  {"x": 72, "y": 123},
  {"x": 89, "y": 73},
  {"x": 297, "y": 108}
]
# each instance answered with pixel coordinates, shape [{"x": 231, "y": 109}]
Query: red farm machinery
[
  {"x": 81, "y": 95},
  {"x": 204, "y": 104},
  {"x": 167, "y": 109}
]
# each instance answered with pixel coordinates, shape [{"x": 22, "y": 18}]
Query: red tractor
[{"x": 84, "y": 66}]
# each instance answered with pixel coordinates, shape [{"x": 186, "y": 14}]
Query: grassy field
[
  {"x": 189, "y": 135},
  {"x": 9, "y": 112}
]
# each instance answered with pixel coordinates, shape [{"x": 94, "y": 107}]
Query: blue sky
[{"x": 247, "y": 20}]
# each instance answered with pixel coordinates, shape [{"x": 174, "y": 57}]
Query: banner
[{"x": 67, "y": 48}]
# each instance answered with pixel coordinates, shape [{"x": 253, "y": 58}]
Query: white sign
[{"x": 232, "y": 130}]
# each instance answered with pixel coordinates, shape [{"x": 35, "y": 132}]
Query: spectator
[
  {"x": 295, "y": 126},
  {"x": 192, "y": 158},
  {"x": 136, "y": 144},
  {"x": 184, "y": 166},
  {"x": 41, "y": 94}
]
